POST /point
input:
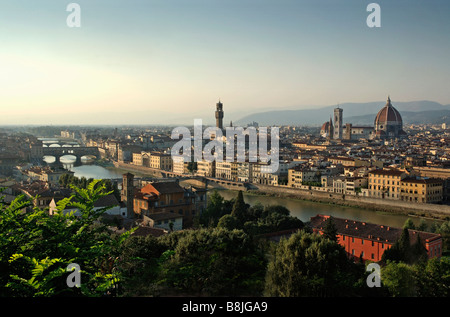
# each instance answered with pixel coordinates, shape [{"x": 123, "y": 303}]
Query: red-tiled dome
[
  {"x": 388, "y": 122},
  {"x": 388, "y": 115},
  {"x": 325, "y": 126}
]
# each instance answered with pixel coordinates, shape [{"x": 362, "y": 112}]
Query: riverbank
[{"x": 427, "y": 211}]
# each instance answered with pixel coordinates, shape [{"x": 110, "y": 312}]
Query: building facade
[
  {"x": 429, "y": 190},
  {"x": 367, "y": 241},
  {"x": 386, "y": 183}
]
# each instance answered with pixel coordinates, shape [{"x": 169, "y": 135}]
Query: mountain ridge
[{"x": 356, "y": 113}]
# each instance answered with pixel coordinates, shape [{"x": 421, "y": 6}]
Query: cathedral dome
[
  {"x": 325, "y": 126},
  {"x": 388, "y": 115},
  {"x": 389, "y": 121}
]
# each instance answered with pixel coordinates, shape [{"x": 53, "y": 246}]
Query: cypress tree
[{"x": 239, "y": 208}]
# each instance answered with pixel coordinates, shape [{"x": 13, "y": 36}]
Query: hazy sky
[{"x": 171, "y": 60}]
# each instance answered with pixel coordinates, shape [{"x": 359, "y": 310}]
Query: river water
[{"x": 303, "y": 210}]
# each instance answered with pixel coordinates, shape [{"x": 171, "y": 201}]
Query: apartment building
[
  {"x": 299, "y": 174},
  {"x": 261, "y": 175},
  {"x": 367, "y": 241},
  {"x": 386, "y": 183},
  {"x": 206, "y": 168},
  {"x": 161, "y": 161},
  {"x": 428, "y": 190},
  {"x": 169, "y": 197},
  {"x": 179, "y": 166},
  {"x": 227, "y": 170}
]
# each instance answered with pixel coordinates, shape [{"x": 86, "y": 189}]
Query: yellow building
[
  {"x": 161, "y": 161},
  {"x": 297, "y": 176},
  {"x": 227, "y": 170},
  {"x": 386, "y": 183},
  {"x": 179, "y": 166},
  {"x": 422, "y": 190},
  {"x": 206, "y": 168}
]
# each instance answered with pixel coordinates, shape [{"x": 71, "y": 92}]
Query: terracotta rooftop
[
  {"x": 370, "y": 231},
  {"x": 387, "y": 172}
]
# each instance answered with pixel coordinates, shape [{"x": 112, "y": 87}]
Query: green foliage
[
  {"x": 216, "y": 208},
  {"x": 229, "y": 222},
  {"x": 212, "y": 262},
  {"x": 240, "y": 208},
  {"x": 139, "y": 266},
  {"x": 444, "y": 231},
  {"x": 330, "y": 230},
  {"x": 69, "y": 180},
  {"x": 398, "y": 278},
  {"x": 36, "y": 248},
  {"x": 409, "y": 224},
  {"x": 192, "y": 167},
  {"x": 403, "y": 251},
  {"x": 257, "y": 219},
  {"x": 309, "y": 264},
  {"x": 433, "y": 278}
]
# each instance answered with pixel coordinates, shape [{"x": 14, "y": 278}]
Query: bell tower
[
  {"x": 128, "y": 193},
  {"x": 338, "y": 127},
  {"x": 219, "y": 115}
]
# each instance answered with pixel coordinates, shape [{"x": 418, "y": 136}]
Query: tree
[
  {"x": 308, "y": 264},
  {"x": 330, "y": 230},
  {"x": 229, "y": 222},
  {"x": 216, "y": 208},
  {"x": 403, "y": 251},
  {"x": 409, "y": 224},
  {"x": 192, "y": 167},
  {"x": 36, "y": 249},
  {"x": 433, "y": 278},
  {"x": 422, "y": 225},
  {"x": 139, "y": 265},
  {"x": 444, "y": 231},
  {"x": 212, "y": 262},
  {"x": 398, "y": 278},
  {"x": 240, "y": 208}
]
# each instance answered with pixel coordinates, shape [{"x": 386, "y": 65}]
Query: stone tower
[
  {"x": 219, "y": 115},
  {"x": 338, "y": 125},
  {"x": 128, "y": 193}
]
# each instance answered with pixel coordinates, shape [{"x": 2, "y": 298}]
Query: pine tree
[
  {"x": 330, "y": 230},
  {"x": 240, "y": 208}
]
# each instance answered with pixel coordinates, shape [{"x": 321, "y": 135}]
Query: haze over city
[{"x": 168, "y": 62}]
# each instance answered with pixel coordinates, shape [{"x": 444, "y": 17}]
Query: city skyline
[{"x": 153, "y": 62}]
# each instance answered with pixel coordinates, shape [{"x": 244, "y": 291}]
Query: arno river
[{"x": 299, "y": 208}]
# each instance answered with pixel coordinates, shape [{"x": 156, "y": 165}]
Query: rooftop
[{"x": 370, "y": 231}]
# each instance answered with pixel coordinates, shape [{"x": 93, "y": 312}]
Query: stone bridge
[{"x": 77, "y": 151}]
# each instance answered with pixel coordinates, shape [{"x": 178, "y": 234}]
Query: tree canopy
[{"x": 36, "y": 248}]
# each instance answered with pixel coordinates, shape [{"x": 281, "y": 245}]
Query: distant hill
[
  {"x": 357, "y": 113},
  {"x": 409, "y": 117}
]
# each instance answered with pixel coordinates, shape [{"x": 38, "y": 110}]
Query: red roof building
[{"x": 369, "y": 241}]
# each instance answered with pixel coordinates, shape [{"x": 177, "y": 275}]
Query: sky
[{"x": 170, "y": 61}]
